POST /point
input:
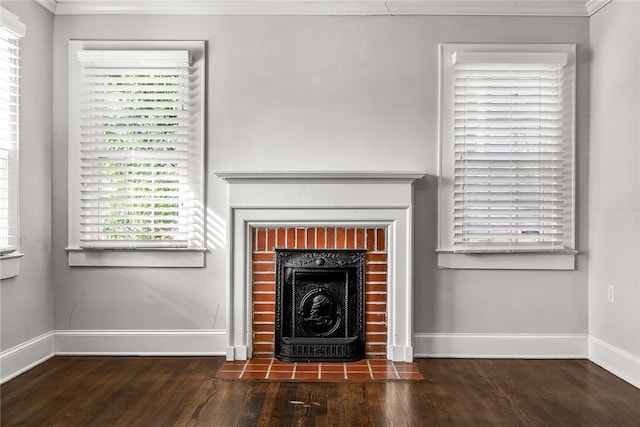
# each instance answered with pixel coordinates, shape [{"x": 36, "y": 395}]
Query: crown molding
[
  {"x": 327, "y": 7},
  {"x": 595, "y": 5},
  {"x": 50, "y": 5}
]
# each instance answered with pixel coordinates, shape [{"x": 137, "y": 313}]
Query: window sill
[
  {"x": 507, "y": 261},
  {"x": 158, "y": 258},
  {"x": 10, "y": 265}
]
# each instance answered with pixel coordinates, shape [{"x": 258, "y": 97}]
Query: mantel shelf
[{"x": 316, "y": 175}]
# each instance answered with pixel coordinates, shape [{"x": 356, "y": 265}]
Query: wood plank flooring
[{"x": 182, "y": 391}]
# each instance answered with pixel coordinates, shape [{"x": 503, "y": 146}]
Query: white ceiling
[{"x": 328, "y": 7}]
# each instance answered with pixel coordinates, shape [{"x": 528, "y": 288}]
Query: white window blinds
[
  {"x": 11, "y": 30},
  {"x": 137, "y": 153},
  {"x": 513, "y": 154}
]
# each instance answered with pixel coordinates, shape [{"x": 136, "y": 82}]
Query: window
[
  {"x": 136, "y": 153},
  {"x": 507, "y": 156},
  {"x": 11, "y": 30}
]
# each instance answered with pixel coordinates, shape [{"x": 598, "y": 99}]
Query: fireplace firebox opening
[{"x": 320, "y": 305}]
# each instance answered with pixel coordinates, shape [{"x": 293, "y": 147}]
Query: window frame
[
  {"x": 526, "y": 260},
  {"x": 10, "y": 256},
  {"x": 131, "y": 256}
]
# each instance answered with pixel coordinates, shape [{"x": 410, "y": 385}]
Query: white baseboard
[
  {"x": 615, "y": 360},
  {"x": 29, "y": 354},
  {"x": 518, "y": 346},
  {"x": 239, "y": 352},
  {"x": 402, "y": 354},
  {"x": 141, "y": 342},
  {"x": 25, "y": 356}
]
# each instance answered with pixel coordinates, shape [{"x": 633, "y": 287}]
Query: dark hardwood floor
[{"x": 181, "y": 391}]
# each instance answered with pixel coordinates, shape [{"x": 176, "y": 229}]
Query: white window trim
[
  {"x": 11, "y": 22},
  {"x": 560, "y": 260},
  {"x": 10, "y": 262},
  {"x": 10, "y": 265},
  {"x": 128, "y": 257},
  {"x": 158, "y": 258}
]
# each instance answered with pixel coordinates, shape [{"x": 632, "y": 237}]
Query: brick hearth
[{"x": 265, "y": 240}]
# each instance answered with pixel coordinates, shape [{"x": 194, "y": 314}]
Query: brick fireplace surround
[
  {"x": 316, "y": 210},
  {"x": 263, "y": 243}
]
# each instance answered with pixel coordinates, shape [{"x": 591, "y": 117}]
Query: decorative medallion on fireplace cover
[{"x": 319, "y": 305}]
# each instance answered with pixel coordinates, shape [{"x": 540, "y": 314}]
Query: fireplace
[
  {"x": 320, "y": 305},
  {"x": 318, "y": 211}
]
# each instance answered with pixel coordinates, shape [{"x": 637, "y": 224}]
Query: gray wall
[
  {"x": 27, "y": 300},
  {"x": 614, "y": 185},
  {"x": 320, "y": 93}
]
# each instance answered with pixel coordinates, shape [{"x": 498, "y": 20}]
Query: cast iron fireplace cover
[{"x": 320, "y": 305}]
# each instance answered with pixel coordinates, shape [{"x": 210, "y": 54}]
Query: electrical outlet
[{"x": 611, "y": 296}]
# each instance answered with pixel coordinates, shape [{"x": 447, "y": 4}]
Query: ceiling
[{"x": 328, "y": 7}]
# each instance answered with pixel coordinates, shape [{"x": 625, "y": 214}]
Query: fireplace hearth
[{"x": 320, "y": 305}]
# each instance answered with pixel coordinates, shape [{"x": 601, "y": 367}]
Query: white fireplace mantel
[{"x": 296, "y": 199}]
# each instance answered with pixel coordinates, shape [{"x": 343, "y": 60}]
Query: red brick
[
  {"x": 321, "y": 238},
  {"x": 261, "y": 244},
  {"x": 376, "y": 257},
  {"x": 329, "y": 368},
  {"x": 376, "y": 298},
  {"x": 291, "y": 238},
  {"x": 267, "y": 267},
  {"x": 271, "y": 239},
  {"x": 263, "y": 256},
  {"x": 376, "y": 267},
  {"x": 264, "y": 297},
  {"x": 370, "y": 317},
  {"x": 311, "y": 238},
  {"x": 254, "y": 239},
  {"x": 340, "y": 234},
  {"x": 264, "y": 277},
  {"x": 375, "y": 308},
  {"x": 263, "y": 348},
  {"x": 307, "y": 367},
  {"x": 300, "y": 240},
  {"x": 276, "y": 375},
  {"x": 264, "y": 317},
  {"x": 381, "y": 365},
  {"x": 264, "y": 287},
  {"x": 269, "y": 327},
  {"x": 360, "y": 239},
  {"x": 263, "y": 355},
  {"x": 351, "y": 238},
  {"x": 375, "y": 287},
  {"x": 278, "y": 367},
  {"x": 376, "y": 277},
  {"x": 281, "y": 241},
  {"x": 374, "y": 348},
  {"x": 371, "y": 239},
  {"x": 268, "y": 337},
  {"x": 376, "y": 356},
  {"x": 357, "y": 368},
  {"x": 380, "y": 246},
  {"x": 332, "y": 375},
  {"x": 331, "y": 237},
  {"x": 372, "y": 338},
  {"x": 406, "y": 367},
  {"x": 263, "y": 306},
  {"x": 376, "y": 328}
]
